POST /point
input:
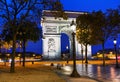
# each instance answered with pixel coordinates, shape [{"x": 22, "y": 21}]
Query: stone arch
[
  {"x": 68, "y": 31},
  {"x": 52, "y": 28}
]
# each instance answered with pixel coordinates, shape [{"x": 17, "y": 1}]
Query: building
[{"x": 52, "y": 29}]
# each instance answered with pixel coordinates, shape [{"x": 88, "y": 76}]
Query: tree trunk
[
  {"x": 86, "y": 60},
  {"x": 24, "y": 51},
  {"x": 82, "y": 52},
  {"x": 103, "y": 53},
  {"x": 0, "y": 45},
  {"x": 12, "y": 67}
]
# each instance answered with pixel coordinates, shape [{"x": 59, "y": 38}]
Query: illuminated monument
[{"x": 52, "y": 29}]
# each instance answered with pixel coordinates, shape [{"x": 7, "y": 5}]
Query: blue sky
[{"x": 89, "y": 5}]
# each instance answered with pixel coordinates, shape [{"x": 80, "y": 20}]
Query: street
[
  {"x": 108, "y": 73},
  {"x": 94, "y": 69}
]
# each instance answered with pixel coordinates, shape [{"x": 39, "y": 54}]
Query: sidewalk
[
  {"x": 81, "y": 79},
  {"x": 37, "y": 73},
  {"x": 31, "y": 73},
  {"x": 73, "y": 79}
]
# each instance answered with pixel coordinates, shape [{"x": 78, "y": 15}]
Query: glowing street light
[
  {"x": 67, "y": 54},
  {"x": 74, "y": 73},
  {"x": 115, "y": 42},
  {"x": 67, "y": 47}
]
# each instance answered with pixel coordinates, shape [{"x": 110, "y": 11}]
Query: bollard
[
  {"x": 52, "y": 64},
  {"x": 58, "y": 66},
  {"x": 32, "y": 62}
]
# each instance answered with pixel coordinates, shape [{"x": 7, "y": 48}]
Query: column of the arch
[
  {"x": 44, "y": 52},
  {"x": 76, "y": 44},
  {"x": 77, "y": 49},
  {"x": 71, "y": 44},
  {"x": 45, "y": 48},
  {"x": 71, "y": 49},
  {"x": 58, "y": 45}
]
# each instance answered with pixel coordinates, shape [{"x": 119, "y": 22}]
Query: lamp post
[
  {"x": 67, "y": 54},
  {"x": 74, "y": 73},
  {"x": 115, "y": 42}
]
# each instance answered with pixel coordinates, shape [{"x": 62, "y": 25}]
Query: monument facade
[{"x": 52, "y": 29}]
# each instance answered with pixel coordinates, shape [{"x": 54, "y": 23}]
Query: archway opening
[{"x": 65, "y": 44}]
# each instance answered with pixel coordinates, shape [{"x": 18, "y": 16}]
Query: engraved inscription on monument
[{"x": 51, "y": 29}]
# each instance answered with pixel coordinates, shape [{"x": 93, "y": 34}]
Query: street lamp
[
  {"x": 115, "y": 42},
  {"x": 74, "y": 73},
  {"x": 67, "y": 53},
  {"x": 67, "y": 47}
]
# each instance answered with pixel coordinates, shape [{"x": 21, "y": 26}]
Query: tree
[
  {"x": 28, "y": 31},
  {"x": 13, "y": 11},
  {"x": 99, "y": 33},
  {"x": 113, "y": 21},
  {"x": 84, "y": 31},
  {"x": 107, "y": 26},
  {"x": 90, "y": 29},
  {"x": 98, "y": 27},
  {"x": 104, "y": 26}
]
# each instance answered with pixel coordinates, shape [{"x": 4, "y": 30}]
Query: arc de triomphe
[{"x": 52, "y": 29}]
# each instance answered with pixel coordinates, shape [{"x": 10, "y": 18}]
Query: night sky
[
  {"x": 89, "y": 6},
  {"x": 85, "y": 6}
]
